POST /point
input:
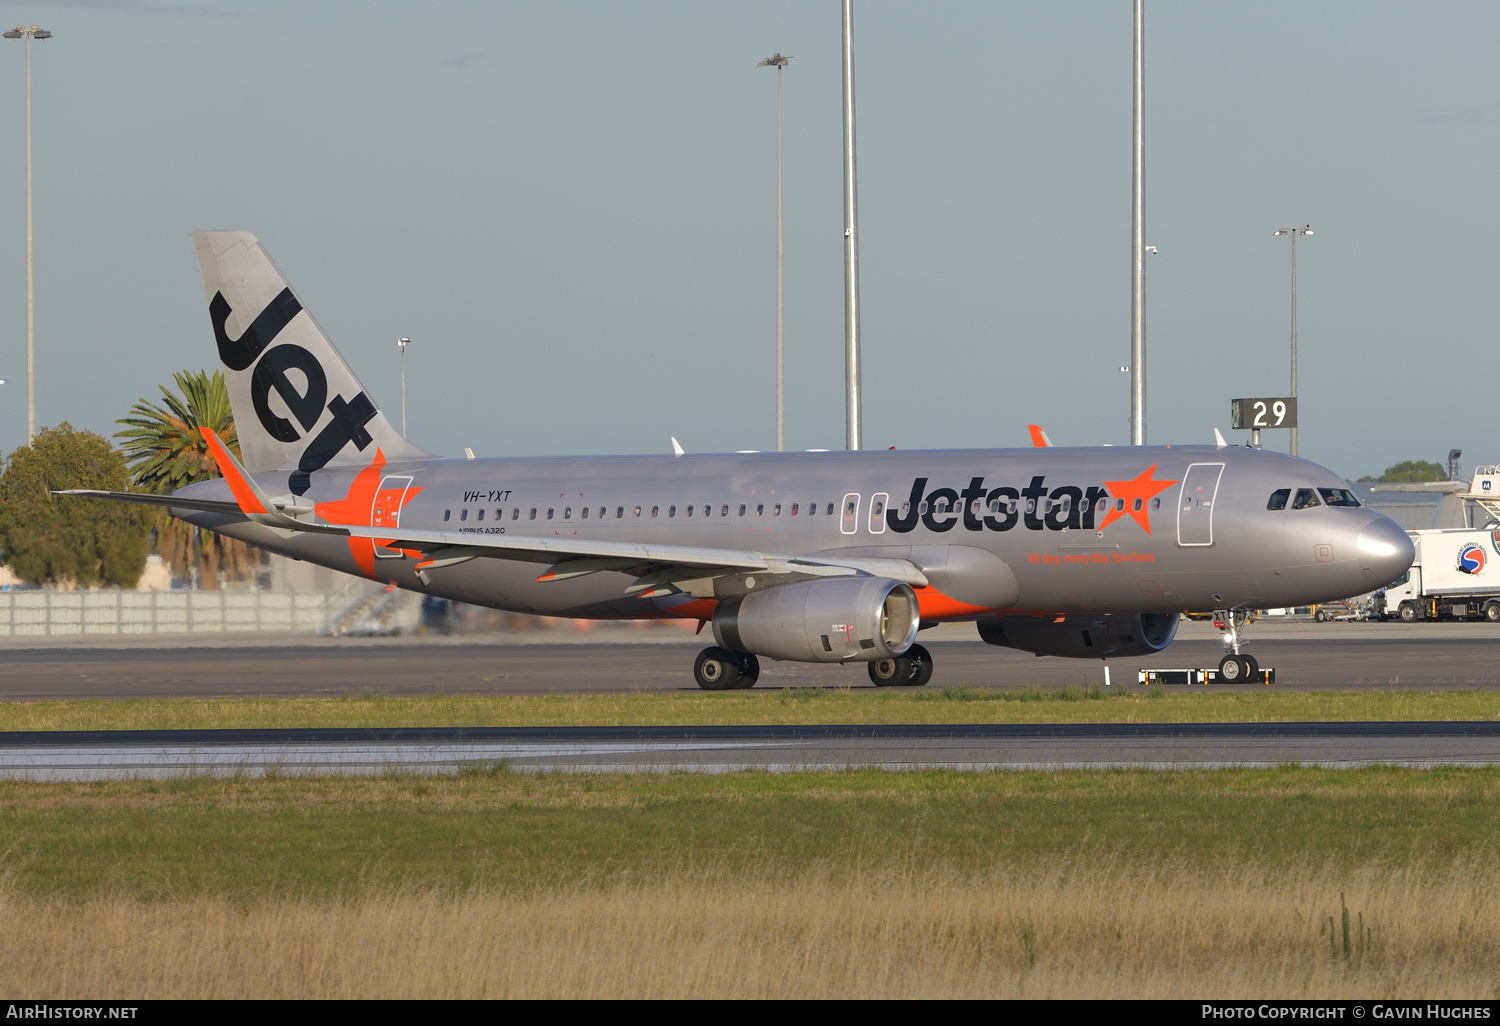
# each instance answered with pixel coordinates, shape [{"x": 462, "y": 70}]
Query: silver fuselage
[{"x": 1212, "y": 542}]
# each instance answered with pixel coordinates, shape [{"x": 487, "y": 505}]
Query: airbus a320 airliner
[{"x": 817, "y": 557}]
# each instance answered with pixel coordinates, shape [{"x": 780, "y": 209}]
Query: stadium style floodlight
[
  {"x": 22, "y": 32},
  {"x": 1294, "y": 232},
  {"x": 779, "y": 62}
]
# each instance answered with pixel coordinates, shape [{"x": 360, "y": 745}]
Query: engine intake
[
  {"x": 826, "y": 621},
  {"x": 1084, "y": 636}
]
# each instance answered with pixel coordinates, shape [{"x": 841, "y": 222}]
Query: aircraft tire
[
  {"x": 716, "y": 669},
  {"x": 923, "y": 668},
  {"x": 749, "y": 670},
  {"x": 1408, "y": 613},
  {"x": 895, "y": 671},
  {"x": 1232, "y": 669}
]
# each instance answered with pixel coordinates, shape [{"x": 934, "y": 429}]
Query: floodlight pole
[
  {"x": 22, "y": 32},
  {"x": 779, "y": 62},
  {"x": 1294, "y": 232},
  {"x": 401, "y": 343},
  {"x": 853, "y": 412},
  {"x": 1138, "y": 239}
]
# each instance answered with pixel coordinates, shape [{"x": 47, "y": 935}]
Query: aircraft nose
[{"x": 1385, "y": 551}]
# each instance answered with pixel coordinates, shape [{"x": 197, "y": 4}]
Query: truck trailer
[{"x": 1456, "y": 575}]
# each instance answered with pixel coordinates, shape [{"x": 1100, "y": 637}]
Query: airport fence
[{"x": 59, "y": 613}]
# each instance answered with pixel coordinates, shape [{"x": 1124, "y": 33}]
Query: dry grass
[
  {"x": 954, "y": 704},
  {"x": 1092, "y": 928}
]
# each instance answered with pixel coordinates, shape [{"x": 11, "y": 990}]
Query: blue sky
[{"x": 569, "y": 208}]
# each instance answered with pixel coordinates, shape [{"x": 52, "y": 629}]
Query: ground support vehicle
[{"x": 1456, "y": 575}]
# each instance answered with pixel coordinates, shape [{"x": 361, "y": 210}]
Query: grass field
[
  {"x": 961, "y": 704},
  {"x": 864, "y": 883}
]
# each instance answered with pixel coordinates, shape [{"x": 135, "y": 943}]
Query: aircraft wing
[{"x": 147, "y": 499}]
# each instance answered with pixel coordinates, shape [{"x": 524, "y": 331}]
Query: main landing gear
[
  {"x": 718, "y": 669},
  {"x": 911, "y": 670},
  {"x": 1236, "y": 667}
]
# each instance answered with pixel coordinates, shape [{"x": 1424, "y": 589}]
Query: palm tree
[{"x": 166, "y": 451}]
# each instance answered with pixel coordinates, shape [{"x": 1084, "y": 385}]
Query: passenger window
[
  {"x": 1338, "y": 497},
  {"x": 1119, "y": 505},
  {"x": 463, "y": 514},
  {"x": 922, "y": 508},
  {"x": 447, "y": 515},
  {"x": 671, "y": 511},
  {"x": 1137, "y": 506},
  {"x": 994, "y": 505},
  {"x": 532, "y": 514},
  {"x": 1156, "y": 504},
  {"x": 585, "y": 513},
  {"x": 567, "y": 512},
  {"x": 724, "y": 510},
  {"x": 776, "y": 510},
  {"x": 620, "y": 512},
  {"x": 550, "y": 511},
  {"x": 742, "y": 509},
  {"x": 812, "y": 509},
  {"x": 760, "y": 509},
  {"x": 690, "y": 511},
  {"x": 655, "y": 511},
  {"x": 1306, "y": 498},
  {"x": 515, "y": 513},
  {"x": 905, "y": 509},
  {"x": 830, "y": 509},
  {"x": 1031, "y": 505},
  {"x": 479, "y": 515},
  {"x": 796, "y": 506},
  {"x": 1279, "y": 498}
]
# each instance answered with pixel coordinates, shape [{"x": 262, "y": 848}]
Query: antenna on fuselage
[{"x": 677, "y": 449}]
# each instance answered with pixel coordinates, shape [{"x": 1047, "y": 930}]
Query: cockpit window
[
  {"x": 1306, "y": 499},
  {"x": 1338, "y": 496},
  {"x": 1279, "y": 498}
]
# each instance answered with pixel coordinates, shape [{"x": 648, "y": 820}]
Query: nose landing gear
[{"x": 1236, "y": 666}]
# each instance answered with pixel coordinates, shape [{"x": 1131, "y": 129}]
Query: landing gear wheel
[
  {"x": 922, "y": 666},
  {"x": 895, "y": 671},
  {"x": 1253, "y": 673},
  {"x": 749, "y": 670},
  {"x": 1492, "y": 612},
  {"x": 1408, "y": 613},
  {"x": 716, "y": 669},
  {"x": 1233, "y": 669}
]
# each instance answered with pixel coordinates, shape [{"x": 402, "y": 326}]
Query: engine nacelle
[
  {"x": 826, "y": 621},
  {"x": 1083, "y": 636}
]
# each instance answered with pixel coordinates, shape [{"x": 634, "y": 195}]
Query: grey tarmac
[
  {"x": 1307, "y": 656},
  {"x": 95, "y": 755}
]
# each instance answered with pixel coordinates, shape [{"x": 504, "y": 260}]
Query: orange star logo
[
  {"x": 1136, "y": 494},
  {"x": 360, "y": 507}
]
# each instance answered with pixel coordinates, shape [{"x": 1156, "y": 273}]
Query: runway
[
  {"x": 97, "y": 755},
  {"x": 1306, "y": 656}
]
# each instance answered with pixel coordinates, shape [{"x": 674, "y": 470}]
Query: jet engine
[
  {"x": 1083, "y": 636},
  {"x": 824, "y": 621}
]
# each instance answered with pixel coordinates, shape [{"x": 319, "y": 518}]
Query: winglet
[
  {"x": 1038, "y": 436},
  {"x": 1219, "y": 442},
  {"x": 246, "y": 492},
  {"x": 677, "y": 449},
  {"x": 253, "y": 502}
]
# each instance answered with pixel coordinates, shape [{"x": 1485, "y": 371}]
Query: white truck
[{"x": 1456, "y": 575}]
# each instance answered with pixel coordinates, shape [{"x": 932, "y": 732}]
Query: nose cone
[{"x": 1385, "y": 552}]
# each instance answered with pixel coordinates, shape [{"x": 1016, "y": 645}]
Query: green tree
[
  {"x": 51, "y": 539},
  {"x": 1411, "y": 471},
  {"x": 166, "y": 450}
]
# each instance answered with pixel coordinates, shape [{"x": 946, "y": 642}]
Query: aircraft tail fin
[{"x": 297, "y": 405}]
